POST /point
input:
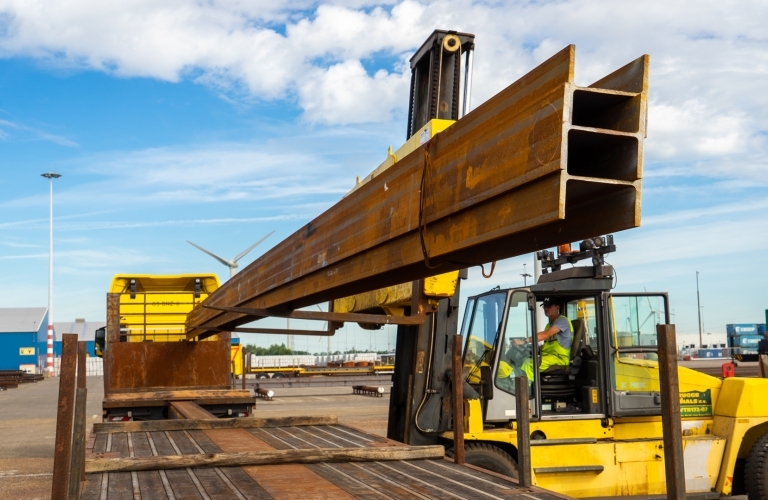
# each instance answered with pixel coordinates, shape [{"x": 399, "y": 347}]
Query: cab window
[
  {"x": 483, "y": 328},
  {"x": 584, "y": 310},
  {"x": 515, "y": 349},
  {"x": 467, "y": 316},
  {"x": 633, "y": 320}
]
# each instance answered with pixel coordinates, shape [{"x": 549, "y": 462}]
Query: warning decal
[{"x": 696, "y": 404}]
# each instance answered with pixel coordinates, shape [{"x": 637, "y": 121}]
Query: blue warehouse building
[
  {"x": 85, "y": 330},
  {"x": 24, "y": 338}
]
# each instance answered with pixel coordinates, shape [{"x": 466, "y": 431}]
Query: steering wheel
[{"x": 518, "y": 353}]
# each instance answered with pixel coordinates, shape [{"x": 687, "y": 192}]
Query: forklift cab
[{"x": 612, "y": 369}]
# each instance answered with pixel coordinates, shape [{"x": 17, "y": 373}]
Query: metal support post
[
  {"x": 244, "y": 356},
  {"x": 82, "y": 347},
  {"x": 63, "y": 443},
  {"x": 523, "y": 432},
  {"x": 670, "y": 413},
  {"x": 77, "y": 461},
  {"x": 698, "y": 309},
  {"x": 465, "y": 108},
  {"x": 81, "y": 360},
  {"x": 458, "y": 401}
]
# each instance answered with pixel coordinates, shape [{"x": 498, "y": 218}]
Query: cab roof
[{"x": 164, "y": 282}]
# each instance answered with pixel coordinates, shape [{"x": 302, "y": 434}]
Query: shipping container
[
  {"x": 745, "y": 329},
  {"x": 710, "y": 353}
]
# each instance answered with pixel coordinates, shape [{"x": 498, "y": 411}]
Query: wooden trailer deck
[{"x": 331, "y": 479}]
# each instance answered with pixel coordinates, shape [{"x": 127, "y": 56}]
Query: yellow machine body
[
  {"x": 607, "y": 440},
  {"x": 153, "y": 308},
  {"x": 625, "y": 456},
  {"x": 236, "y": 359}
]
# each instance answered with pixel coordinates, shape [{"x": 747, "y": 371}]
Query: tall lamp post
[
  {"x": 49, "y": 365},
  {"x": 525, "y": 276},
  {"x": 698, "y": 304}
]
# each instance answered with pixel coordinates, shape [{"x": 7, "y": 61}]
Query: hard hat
[{"x": 504, "y": 370}]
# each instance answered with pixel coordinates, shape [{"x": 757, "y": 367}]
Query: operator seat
[{"x": 557, "y": 379}]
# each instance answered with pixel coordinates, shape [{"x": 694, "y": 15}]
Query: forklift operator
[{"x": 557, "y": 337}]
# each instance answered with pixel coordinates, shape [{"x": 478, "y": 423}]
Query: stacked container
[{"x": 743, "y": 339}]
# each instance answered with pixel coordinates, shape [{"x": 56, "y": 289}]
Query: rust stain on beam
[
  {"x": 542, "y": 162},
  {"x": 382, "y": 319}
]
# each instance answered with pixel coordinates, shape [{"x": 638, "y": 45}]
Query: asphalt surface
[
  {"x": 27, "y": 433},
  {"x": 28, "y": 425}
]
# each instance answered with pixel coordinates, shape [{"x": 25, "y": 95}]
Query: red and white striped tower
[{"x": 49, "y": 365}]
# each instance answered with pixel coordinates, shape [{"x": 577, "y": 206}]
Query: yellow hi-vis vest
[{"x": 552, "y": 346}]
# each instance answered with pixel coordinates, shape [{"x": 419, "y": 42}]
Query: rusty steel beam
[
  {"x": 457, "y": 395},
  {"x": 283, "y": 331},
  {"x": 541, "y": 163},
  {"x": 382, "y": 319},
  {"x": 523, "y": 423},
  {"x": 62, "y": 454},
  {"x": 672, "y": 431}
]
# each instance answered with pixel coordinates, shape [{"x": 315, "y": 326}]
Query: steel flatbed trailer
[
  {"x": 311, "y": 371},
  {"x": 331, "y": 468},
  {"x": 338, "y": 381}
]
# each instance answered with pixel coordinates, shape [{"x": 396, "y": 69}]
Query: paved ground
[
  {"x": 27, "y": 432},
  {"x": 28, "y": 425}
]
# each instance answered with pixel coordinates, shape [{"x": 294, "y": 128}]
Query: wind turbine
[{"x": 231, "y": 264}]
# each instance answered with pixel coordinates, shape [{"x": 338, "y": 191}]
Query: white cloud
[
  {"x": 208, "y": 173},
  {"x": 345, "y": 93},
  {"x": 344, "y": 62},
  {"x": 709, "y": 60},
  {"x": 25, "y": 132}
]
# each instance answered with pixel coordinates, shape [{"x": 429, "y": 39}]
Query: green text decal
[{"x": 696, "y": 404}]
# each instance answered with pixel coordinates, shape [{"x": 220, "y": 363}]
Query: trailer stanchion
[
  {"x": 77, "y": 459},
  {"x": 458, "y": 401},
  {"x": 244, "y": 358},
  {"x": 63, "y": 444},
  {"x": 670, "y": 413},
  {"x": 523, "y": 432}
]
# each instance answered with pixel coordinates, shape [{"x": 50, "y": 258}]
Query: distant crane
[{"x": 231, "y": 264}]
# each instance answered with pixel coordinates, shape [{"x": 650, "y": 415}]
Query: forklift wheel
[
  {"x": 756, "y": 470},
  {"x": 490, "y": 457}
]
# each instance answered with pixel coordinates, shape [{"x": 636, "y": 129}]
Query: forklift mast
[{"x": 436, "y": 79}]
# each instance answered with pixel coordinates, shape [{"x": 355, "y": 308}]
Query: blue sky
[{"x": 219, "y": 122}]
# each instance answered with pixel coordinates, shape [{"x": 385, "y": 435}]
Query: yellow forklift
[{"x": 596, "y": 419}]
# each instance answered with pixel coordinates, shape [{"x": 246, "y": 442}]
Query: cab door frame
[
  {"x": 643, "y": 403},
  {"x": 501, "y": 397}
]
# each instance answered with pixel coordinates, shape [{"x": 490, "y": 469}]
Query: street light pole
[
  {"x": 525, "y": 275},
  {"x": 698, "y": 308},
  {"x": 49, "y": 364}
]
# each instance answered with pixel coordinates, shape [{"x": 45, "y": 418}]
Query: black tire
[
  {"x": 490, "y": 457},
  {"x": 756, "y": 470},
  {"x": 262, "y": 376},
  {"x": 278, "y": 375}
]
